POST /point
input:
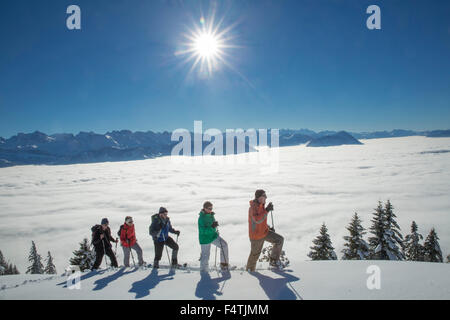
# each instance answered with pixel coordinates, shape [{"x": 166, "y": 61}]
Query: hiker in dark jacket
[
  {"x": 159, "y": 230},
  {"x": 101, "y": 239}
]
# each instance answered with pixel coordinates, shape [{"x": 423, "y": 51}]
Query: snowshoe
[
  {"x": 178, "y": 266},
  {"x": 275, "y": 265}
]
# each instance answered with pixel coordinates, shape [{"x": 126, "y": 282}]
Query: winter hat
[
  {"x": 105, "y": 221},
  {"x": 259, "y": 193},
  {"x": 162, "y": 210}
]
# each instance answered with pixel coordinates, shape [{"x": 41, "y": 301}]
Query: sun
[{"x": 206, "y": 46}]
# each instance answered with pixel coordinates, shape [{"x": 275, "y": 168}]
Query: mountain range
[{"x": 88, "y": 147}]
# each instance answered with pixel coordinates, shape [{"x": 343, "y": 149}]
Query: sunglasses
[
  {"x": 210, "y": 208},
  {"x": 130, "y": 221}
]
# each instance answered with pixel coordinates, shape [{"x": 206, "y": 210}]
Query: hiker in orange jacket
[{"x": 259, "y": 231}]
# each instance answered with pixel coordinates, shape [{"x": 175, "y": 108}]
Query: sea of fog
[{"x": 56, "y": 205}]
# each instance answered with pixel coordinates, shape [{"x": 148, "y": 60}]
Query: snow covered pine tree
[
  {"x": 84, "y": 257},
  {"x": 387, "y": 242},
  {"x": 413, "y": 249},
  {"x": 432, "y": 250},
  {"x": 266, "y": 253},
  {"x": 356, "y": 247},
  {"x": 35, "y": 259},
  {"x": 50, "y": 267},
  {"x": 322, "y": 249}
]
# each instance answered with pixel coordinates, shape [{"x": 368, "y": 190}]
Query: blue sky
[{"x": 298, "y": 64}]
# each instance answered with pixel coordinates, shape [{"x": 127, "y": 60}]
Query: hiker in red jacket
[{"x": 128, "y": 242}]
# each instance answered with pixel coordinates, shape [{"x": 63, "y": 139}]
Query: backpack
[
  {"x": 120, "y": 231},
  {"x": 94, "y": 229}
]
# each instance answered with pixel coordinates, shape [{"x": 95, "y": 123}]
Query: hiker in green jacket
[{"x": 208, "y": 234}]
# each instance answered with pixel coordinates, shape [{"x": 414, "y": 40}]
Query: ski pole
[
  {"x": 221, "y": 248},
  {"x": 167, "y": 251},
  {"x": 104, "y": 253},
  {"x": 115, "y": 250},
  {"x": 215, "y": 259}
]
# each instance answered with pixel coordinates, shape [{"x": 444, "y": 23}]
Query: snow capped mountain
[
  {"x": 337, "y": 139},
  {"x": 88, "y": 147}
]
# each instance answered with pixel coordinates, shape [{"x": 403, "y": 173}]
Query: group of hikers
[{"x": 208, "y": 233}]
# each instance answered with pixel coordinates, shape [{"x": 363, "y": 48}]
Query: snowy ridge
[{"x": 302, "y": 280}]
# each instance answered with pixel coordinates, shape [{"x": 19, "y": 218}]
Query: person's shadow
[
  {"x": 84, "y": 277},
  {"x": 208, "y": 288},
  {"x": 142, "y": 287},
  {"x": 102, "y": 283},
  {"x": 277, "y": 289}
]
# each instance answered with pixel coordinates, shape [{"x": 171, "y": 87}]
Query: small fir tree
[
  {"x": 432, "y": 250},
  {"x": 50, "y": 267},
  {"x": 35, "y": 259},
  {"x": 356, "y": 247},
  {"x": 322, "y": 249},
  {"x": 267, "y": 252},
  {"x": 84, "y": 256},
  {"x": 413, "y": 248}
]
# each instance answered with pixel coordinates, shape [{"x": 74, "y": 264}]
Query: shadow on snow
[
  {"x": 208, "y": 288},
  {"x": 277, "y": 288},
  {"x": 142, "y": 287},
  {"x": 102, "y": 283}
]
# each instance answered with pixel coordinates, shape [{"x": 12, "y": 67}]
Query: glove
[
  {"x": 272, "y": 229},
  {"x": 177, "y": 232},
  {"x": 269, "y": 207},
  {"x": 215, "y": 224}
]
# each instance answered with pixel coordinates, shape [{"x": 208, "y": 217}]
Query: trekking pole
[
  {"x": 221, "y": 248},
  {"x": 104, "y": 253},
  {"x": 167, "y": 251},
  {"x": 215, "y": 259}
]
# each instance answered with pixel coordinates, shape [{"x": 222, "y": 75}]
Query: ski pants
[
  {"x": 100, "y": 252},
  {"x": 206, "y": 248},
  {"x": 257, "y": 245},
  {"x": 126, "y": 254},
  {"x": 159, "y": 247}
]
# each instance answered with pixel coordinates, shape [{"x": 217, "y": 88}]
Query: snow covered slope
[{"x": 303, "y": 280}]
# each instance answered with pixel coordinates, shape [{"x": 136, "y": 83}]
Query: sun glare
[{"x": 206, "y": 46}]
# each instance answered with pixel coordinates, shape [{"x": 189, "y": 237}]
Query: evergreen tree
[
  {"x": 392, "y": 234},
  {"x": 7, "y": 268},
  {"x": 3, "y": 264},
  {"x": 84, "y": 257},
  {"x": 50, "y": 267},
  {"x": 387, "y": 242},
  {"x": 413, "y": 249},
  {"x": 15, "y": 270},
  {"x": 35, "y": 259},
  {"x": 266, "y": 253},
  {"x": 376, "y": 242},
  {"x": 432, "y": 250},
  {"x": 322, "y": 249},
  {"x": 356, "y": 247}
]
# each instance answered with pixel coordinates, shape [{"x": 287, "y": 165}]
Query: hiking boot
[
  {"x": 175, "y": 264},
  {"x": 275, "y": 263},
  {"x": 223, "y": 266}
]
